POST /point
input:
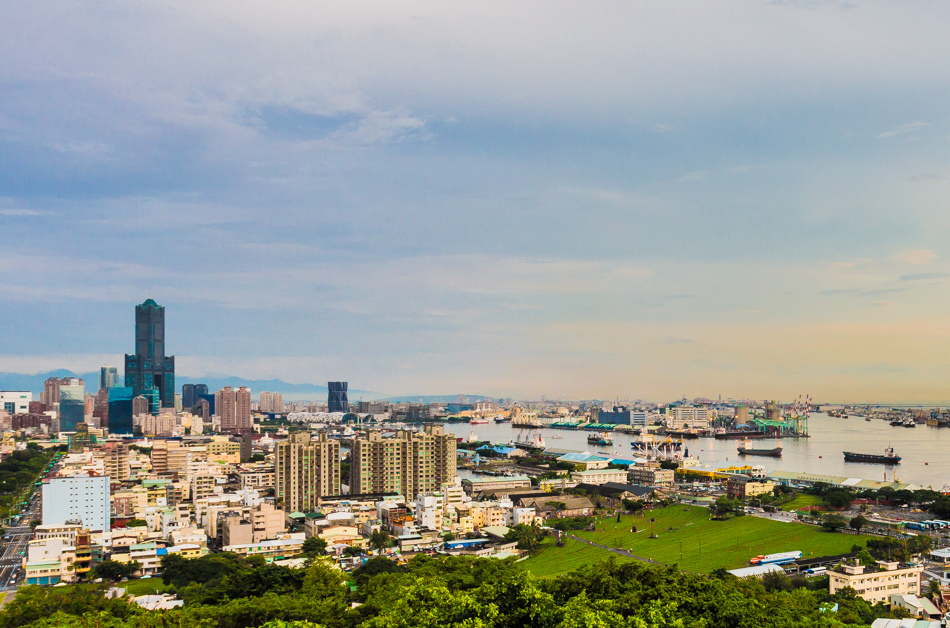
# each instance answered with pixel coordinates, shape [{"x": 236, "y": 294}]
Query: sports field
[{"x": 695, "y": 542}]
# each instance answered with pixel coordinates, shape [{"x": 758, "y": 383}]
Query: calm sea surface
[{"x": 925, "y": 451}]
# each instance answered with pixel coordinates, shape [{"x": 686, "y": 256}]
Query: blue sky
[{"x": 625, "y": 199}]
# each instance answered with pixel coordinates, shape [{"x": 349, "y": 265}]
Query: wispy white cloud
[
  {"x": 903, "y": 128},
  {"x": 916, "y": 256}
]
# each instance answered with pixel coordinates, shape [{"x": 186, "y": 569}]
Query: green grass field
[
  {"x": 552, "y": 560},
  {"x": 696, "y": 543},
  {"x": 148, "y": 586},
  {"x": 801, "y": 500}
]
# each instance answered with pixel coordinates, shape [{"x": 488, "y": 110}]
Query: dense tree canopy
[{"x": 222, "y": 591}]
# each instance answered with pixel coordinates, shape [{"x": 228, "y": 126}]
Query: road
[{"x": 14, "y": 543}]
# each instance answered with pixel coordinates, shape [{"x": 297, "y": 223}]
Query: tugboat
[
  {"x": 602, "y": 439},
  {"x": 889, "y": 457},
  {"x": 745, "y": 450},
  {"x": 910, "y": 423},
  {"x": 897, "y": 422}
]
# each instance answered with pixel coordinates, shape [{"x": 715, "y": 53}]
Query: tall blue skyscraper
[
  {"x": 108, "y": 377},
  {"x": 336, "y": 397},
  {"x": 149, "y": 367},
  {"x": 72, "y": 407},
  {"x": 120, "y": 410}
]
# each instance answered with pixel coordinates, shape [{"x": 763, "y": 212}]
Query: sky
[{"x": 576, "y": 200}]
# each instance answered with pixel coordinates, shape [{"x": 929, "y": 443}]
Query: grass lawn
[
  {"x": 552, "y": 560},
  {"x": 802, "y": 500},
  {"x": 696, "y": 543},
  {"x": 148, "y": 586}
]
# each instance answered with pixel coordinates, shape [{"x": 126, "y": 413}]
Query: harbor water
[{"x": 925, "y": 450}]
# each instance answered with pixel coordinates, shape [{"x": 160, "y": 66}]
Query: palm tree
[{"x": 379, "y": 540}]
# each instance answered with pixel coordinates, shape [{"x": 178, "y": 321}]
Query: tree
[
  {"x": 528, "y": 537},
  {"x": 858, "y": 522},
  {"x": 314, "y": 546},
  {"x": 114, "y": 570},
  {"x": 776, "y": 581},
  {"x": 448, "y": 536},
  {"x": 833, "y": 523},
  {"x": 864, "y": 557},
  {"x": 323, "y": 580},
  {"x": 633, "y": 505},
  {"x": 379, "y": 540},
  {"x": 935, "y": 589},
  {"x": 556, "y": 505},
  {"x": 837, "y": 498}
]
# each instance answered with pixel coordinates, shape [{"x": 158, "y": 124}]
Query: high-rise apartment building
[
  {"x": 149, "y": 367},
  {"x": 81, "y": 497},
  {"x": 306, "y": 470},
  {"x": 116, "y": 460},
  {"x": 140, "y": 405},
  {"x": 72, "y": 406},
  {"x": 267, "y": 402},
  {"x": 336, "y": 397},
  {"x": 108, "y": 377},
  {"x": 277, "y": 403},
  {"x": 410, "y": 464},
  {"x": 234, "y": 408}
]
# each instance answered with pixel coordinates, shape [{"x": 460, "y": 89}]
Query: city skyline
[{"x": 581, "y": 202}]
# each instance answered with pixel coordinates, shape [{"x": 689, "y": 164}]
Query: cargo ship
[
  {"x": 889, "y": 457},
  {"x": 745, "y": 450},
  {"x": 534, "y": 443},
  {"x": 603, "y": 439},
  {"x": 730, "y": 434}
]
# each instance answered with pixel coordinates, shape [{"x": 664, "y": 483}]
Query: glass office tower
[
  {"x": 191, "y": 393},
  {"x": 149, "y": 367},
  {"x": 120, "y": 410},
  {"x": 336, "y": 397},
  {"x": 72, "y": 407},
  {"x": 108, "y": 377}
]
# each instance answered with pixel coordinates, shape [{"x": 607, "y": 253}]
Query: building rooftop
[
  {"x": 498, "y": 478},
  {"x": 756, "y": 571},
  {"x": 582, "y": 457},
  {"x": 595, "y": 472},
  {"x": 838, "y": 480}
]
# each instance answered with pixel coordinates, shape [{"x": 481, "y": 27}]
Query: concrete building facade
[
  {"x": 305, "y": 470},
  {"x": 80, "y": 497}
]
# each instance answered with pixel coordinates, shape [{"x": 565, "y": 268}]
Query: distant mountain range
[
  {"x": 291, "y": 392},
  {"x": 34, "y": 383}
]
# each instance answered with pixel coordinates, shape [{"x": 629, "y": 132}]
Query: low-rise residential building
[
  {"x": 275, "y": 549},
  {"x": 43, "y": 572},
  {"x": 740, "y": 488},
  {"x": 474, "y": 486},
  {"x": 876, "y": 583},
  {"x": 599, "y": 476},
  {"x": 651, "y": 475}
]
